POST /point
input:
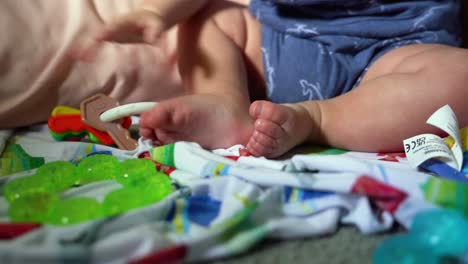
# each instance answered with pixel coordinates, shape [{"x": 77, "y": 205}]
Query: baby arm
[
  {"x": 143, "y": 25},
  {"x": 171, "y": 12},
  {"x": 150, "y": 20}
]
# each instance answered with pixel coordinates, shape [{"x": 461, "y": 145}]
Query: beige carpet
[{"x": 347, "y": 246}]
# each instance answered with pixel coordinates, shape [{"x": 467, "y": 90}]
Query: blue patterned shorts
[{"x": 318, "y": 49}]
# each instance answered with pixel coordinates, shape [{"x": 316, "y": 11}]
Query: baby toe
[
  {"x": 257, "y": 149},
  {"x": 269, "y": 128},
  {"x": 264, "y": 140},
  {"x": 269, "y": 111}
]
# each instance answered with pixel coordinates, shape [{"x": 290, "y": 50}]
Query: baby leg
[
  {"x": 395, "y": 98},
  {"x": 280, "y": 127},
  {"x": 214, "y": 47}
]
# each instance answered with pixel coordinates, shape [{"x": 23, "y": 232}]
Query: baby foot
[
  {"x": 278, "y": 128},
  {"x": 208, "y": 120}
]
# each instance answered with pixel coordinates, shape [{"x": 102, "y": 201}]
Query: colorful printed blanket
[{"x": 223, "y": 202}]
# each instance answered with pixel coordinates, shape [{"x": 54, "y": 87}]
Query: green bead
[
  {"x": 61, "y": 174},
  {"x": 74, "y": 211},
  {"x": 26, "y": 186},
  {"x": 134, "y": 170},
  {"x": 143, "y": 185},
  {"x": 98, "y": 167},
  {"x": 154, "y": 188},
  {"x": 31, "y": 209},
  {"x": 122, "y": 200}
]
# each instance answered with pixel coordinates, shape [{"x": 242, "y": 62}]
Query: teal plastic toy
[
  {"x": 436, "y": 236},
  {"x": 36, "y": 198}
]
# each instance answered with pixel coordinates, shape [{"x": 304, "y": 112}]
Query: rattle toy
[
  {"x": 93, "y": 107},
  {"x": 65, "y": 124},
  {"x": 99, "y": 120},
  {"x": 126, "y": 110},
  {"x": 37, "y": 198}
]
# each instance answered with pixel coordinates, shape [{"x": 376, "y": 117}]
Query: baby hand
[{"x": 142, "y": 26}]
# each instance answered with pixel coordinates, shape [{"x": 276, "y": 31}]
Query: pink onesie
[{"x": 37, "y": 72}]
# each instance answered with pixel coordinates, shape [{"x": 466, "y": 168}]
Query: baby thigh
[
  {"x": 233, "y": 43},
  {"x": 432, "y": 74}
]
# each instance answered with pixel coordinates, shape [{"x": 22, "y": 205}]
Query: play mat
[{"x": 181, "y": 203}]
